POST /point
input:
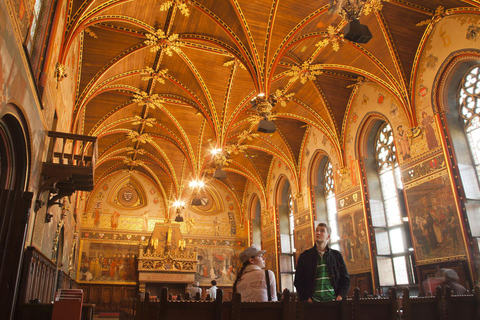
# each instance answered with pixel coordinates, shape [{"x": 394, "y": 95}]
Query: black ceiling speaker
[
  {"x": 357, "y": 32},
  {"x": 196, "y": 201},
  {"x": 266, "y": 126},
  {"x": 220, "y": 174}
]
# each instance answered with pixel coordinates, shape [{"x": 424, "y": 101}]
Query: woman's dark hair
[
  {"x": 239, "y": 275},
  {"x": 214, "y": 283}
]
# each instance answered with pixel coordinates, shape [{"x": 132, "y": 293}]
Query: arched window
[
  {"x": 469, "y": 103},
  {"x": 469, "y": 108},
  {"x": 324, "y": 195},
  {"x": 287, "y": 253},
  {"x": 394, "y": 256},
  {"x": 331, "y": 205}
]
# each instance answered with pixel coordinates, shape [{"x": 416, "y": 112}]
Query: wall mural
[
  {"x": 107, "y": 263},
  {"x": 270, "y": 257},
  {"x": 219, "y": 263},
  {"x": 303, "y": 240},
  {"x": 434, "y": 221},
  {"x": 354, "y": 241}
]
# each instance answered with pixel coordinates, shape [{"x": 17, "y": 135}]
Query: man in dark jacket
[{"x": 321, "y": 272}]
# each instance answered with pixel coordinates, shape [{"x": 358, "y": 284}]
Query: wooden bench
[
  {"x": 464, "y": 307},
  {"x": 442, "y": 306},
  {"x": 281, "y": 310},
  {"x": 375, "y": 308},
  {"x": 423, "y": 308}
]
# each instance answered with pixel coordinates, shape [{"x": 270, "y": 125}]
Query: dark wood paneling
[{"x": 107, "y": 297}]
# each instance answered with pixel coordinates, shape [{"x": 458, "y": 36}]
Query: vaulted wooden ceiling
[{"x": 213, "y": 60}]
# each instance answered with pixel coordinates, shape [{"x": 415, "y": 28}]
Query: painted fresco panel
[
  {"x": 303, "y": 240},
  {"x": 102, "y": 262},
  {"x": 354, "y": 240},
  {"x": 270, "y": 256},
  {"x": 434, "y": 221},
  {"x": 217, "y": 263}
]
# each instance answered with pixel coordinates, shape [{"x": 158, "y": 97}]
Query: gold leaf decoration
[{"x": 160, "y": 41}]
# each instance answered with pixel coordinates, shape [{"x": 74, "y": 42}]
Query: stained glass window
[{"x": 393, "y": 255}]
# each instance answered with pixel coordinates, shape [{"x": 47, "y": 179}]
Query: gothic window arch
[
  {"x": 394, "y": 258},
  {"x": 286, "y": 209},
  {"x": 469, "y": 110},
  {"x": 323, "y": 183}
]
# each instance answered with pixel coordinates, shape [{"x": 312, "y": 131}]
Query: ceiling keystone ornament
[
  {"x": 142, "y": 138},
  {"x": 353, "y": 9},
  {"x": 234, "y": 62},
  {"x": 160, "y": 41},
  {"x": 136, "y": 151},
  {"x": 146, "y": 121},
  {"x": 334, "y": 36},
  {"x": 439, "y": 14},
  {"x": 264, "y": 108},
  {"x": 304, "y": 72},
  {"x": 154, "y": 75},
  {"x": 132, "y": 162},
  {"x": 91, "y": 33},
  {"x": 180, "y": 4},
  {"x": 152, "y": 101},
  {"x": 283, "y": 97}
]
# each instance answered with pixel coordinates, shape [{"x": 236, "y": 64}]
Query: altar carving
[{"x": 167, "y": 256}]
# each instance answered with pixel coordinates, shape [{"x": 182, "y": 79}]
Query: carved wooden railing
[
  {"x": 443, "y": 306},
  {"x": 69, "y": 165}
]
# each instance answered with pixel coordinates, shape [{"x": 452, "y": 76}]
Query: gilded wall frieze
[
  {"x": 427, "y": 167},
  {"x": 349, "y": 200}
]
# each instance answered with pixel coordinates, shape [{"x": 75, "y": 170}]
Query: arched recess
[
  {"x": 385, "y": 209},
  {"x": 317, "y": 184},
  {"x": 256, "y": 220},
  {"x": 14, "y": 149},
  {"x": 323, "y": 190},
  {"x": 15, "y": 202},
  {"x": 461, "y": 153},
  {"x": 285, "y": 208}
]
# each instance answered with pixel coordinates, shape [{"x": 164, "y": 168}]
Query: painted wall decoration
[
  {"x": 217, "y": 263},
  {"x": 303, "y": 240},
  {"x": 434, "y": 221},
  {"x": 103, "y": 262},
  {"x": 354, "y": 241},
  {"x": 270, "y": 257}
]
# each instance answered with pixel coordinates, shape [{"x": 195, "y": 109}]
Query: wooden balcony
[{"x": 69, "y": 165}]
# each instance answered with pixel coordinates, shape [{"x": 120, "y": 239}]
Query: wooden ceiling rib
[{"x": 231, "y": 51}]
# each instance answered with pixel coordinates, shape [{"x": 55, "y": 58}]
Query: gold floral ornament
[
  {"x": 334, "y": 36},
  {"x": 160, "y": 41},
  {"x": 91, "y": 33},
  {"x": 263, "y": 107},
  {"x": 155, "y": 76},
  {"x": 180, "y": 4},
  {"x": 439, "y": 14},
  {"x": 136, "y": 151},
  {"x": 131, "y": 162},
  {"x": 358, "y": 82},
  {"x": 146, "y": 121},
  {"x": 234, "y": 62},
  {"x": 60, "y": 72},
  {"x": 282, "y": 97},
  {"x": 353, "y": 9},
  {"x": 247, "y": 135},
  {"x": 142, "y": 138},
  {"x": 152, "y": 101},
  {"x": 305, "y": 72}
]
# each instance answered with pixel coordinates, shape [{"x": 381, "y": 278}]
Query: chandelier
[{"x": 263, "y": 106}]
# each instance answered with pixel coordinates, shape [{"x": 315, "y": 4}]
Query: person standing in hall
[
  {"x": 321, "y": 273},
  {"x": 251, "y": 282},
  {"x": 213, "y": 290}
]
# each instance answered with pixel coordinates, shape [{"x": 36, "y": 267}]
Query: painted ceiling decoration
[{"x": 162, "y": 83}]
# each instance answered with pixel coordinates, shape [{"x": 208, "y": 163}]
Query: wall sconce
[{"x": 48, "y": 217}]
